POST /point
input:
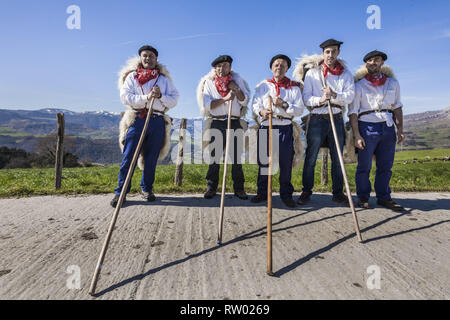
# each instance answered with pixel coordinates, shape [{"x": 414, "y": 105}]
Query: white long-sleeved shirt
[
  {"x": 370, "y": 97},
  {"x": 132, "y": 95},
  {"x": 210, "y": 94},
  {"x": 292, "y": 96},
  {"x": 343, "y": 85}
]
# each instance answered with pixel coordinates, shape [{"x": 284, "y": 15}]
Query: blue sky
[{"x": 44, "y": 64}]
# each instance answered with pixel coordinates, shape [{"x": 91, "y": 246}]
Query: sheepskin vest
[
  {"x": 314, "y": 61},
  {"x": 130, "y": 114},
  {"x": 206, "y": 137}
]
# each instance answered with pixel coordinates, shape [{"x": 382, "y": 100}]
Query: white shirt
[
  {"x": 370, "y": 97},
  {"x": 292, "y": 96},
  {"x": 210, "y": 94},
  {"x": 343, "y": 85},
  {"x": 132, "y": 95}
]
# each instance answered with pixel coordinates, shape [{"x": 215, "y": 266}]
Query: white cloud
[
  {"x": 444, "y": 34},
  {"x": 197, "y": 36},
  {"x": 418, "y": 99}
]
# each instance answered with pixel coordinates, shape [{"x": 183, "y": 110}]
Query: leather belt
[
  {"x": 142, "y": 113},
  {"x": 224, "y": 117},
  {"x": 283, "y": 118},
  {"x": 326, "y": 115},
  {"x": 372, "y": 111},
  {"x": 326, "y": 105}
]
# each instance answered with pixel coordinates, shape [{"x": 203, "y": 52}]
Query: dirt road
[{"x": 167, "y": 249}]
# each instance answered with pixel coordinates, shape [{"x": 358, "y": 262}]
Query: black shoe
[
  {"x": 304, "y": 198},
  {"x": 210, "y": 193},
  {"x": 241, "y": 194},
  {"x": 363, "y": 203},
  {"x": 258, "y": 198},
  {"x": 390, "y": 204},
  {"x": 115, "y": 201},
  {"x": 289, "y": 202},
  {"x": 341, "y": 198},
  {"x": 148, "y": 196}
]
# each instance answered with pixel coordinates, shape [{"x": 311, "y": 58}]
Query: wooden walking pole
[
  {"x": 341, "y": 161},
  {"x": 121, "y": 198},
  {"x": 269, "y": 197},
  {"x": 225, "y": 167},
  {"x": 59, "y": 155},
  {"x": 178, "y": 180}
]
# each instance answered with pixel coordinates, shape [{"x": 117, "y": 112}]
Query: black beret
[
  {"x": 281, "y": 56},
  {"x": 330, "y": 42},
  {"x": 220, "y": 59},
  {"x": 375, "y": 53},
  {"x": 149, "y": 48}
]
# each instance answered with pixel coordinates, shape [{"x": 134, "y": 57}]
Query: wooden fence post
[
  {"x": 324, "y": 176},
  {"x": 59, "y": 150},
  {"x": 178, "y": 180}
]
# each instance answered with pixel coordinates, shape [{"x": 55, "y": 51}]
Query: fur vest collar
[
  {"x": 310, "y": 62},
  {"x": 132, "y": 65},
  {"x": 362, "y": 71}
]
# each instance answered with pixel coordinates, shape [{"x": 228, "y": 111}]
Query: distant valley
[{"x": 94, "y": 135}]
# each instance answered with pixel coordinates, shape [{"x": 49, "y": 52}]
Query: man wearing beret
[
  {"x": 142, "y": 79},
  {"x": 214, "y": 92},
  {"x": 328, "y": 80},
  {"x": 287, "y": 104},
  {"x": 374, "y": 114}
]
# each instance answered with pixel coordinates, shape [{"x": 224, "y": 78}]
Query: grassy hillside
[
  {"x": 425, "y": 176},
  {"x": 421, "y": 154}
]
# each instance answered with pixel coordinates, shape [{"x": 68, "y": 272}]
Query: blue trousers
[
  {"x": 286, "y": 156},
  {"x": 380, "y": 141},
  {"x": 319, "y": 130},
  {"x": 154, "y": 138}
]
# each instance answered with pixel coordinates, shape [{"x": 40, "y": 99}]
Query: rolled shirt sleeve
[
  {"x": 397, "y": 104},
  {"x": 309, "y": 99},
  {"x": 258, "y": 99},
  {"x": 347, "y": 94},
  {"x": 169, "y": 96},
  {"x": 128, "y": 95},
  {"x": 296, "y": 105},
  {"x": 353, "y": 108},
  {"x": 241, "y": 84},
  {"x": 207, "y": 97}
]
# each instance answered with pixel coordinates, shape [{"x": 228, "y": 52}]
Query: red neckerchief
[
  {"x": 284, "y": 83},
  {"x": 222, "y": 84},
  {"x": 337, "y": 70},
  {"x": 145, "y": 75},
  {"x": 376, "y": 81}
]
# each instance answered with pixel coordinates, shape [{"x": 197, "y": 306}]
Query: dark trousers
[
  {"x": 285, "y": 158},
  {"x": 154, "y": 138},
  {"x": 318, "y": 131},
  {"x": 380, "y": 141},
  {"x": 212, "y": 176}
]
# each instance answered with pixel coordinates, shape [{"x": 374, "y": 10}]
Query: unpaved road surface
[{"x": 167, "y": 249}]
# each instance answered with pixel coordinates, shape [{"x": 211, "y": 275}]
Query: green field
[
  {"x": 424, "y": 176},
  {"x": 12, "y": 133},
  {"x": 421, "y": 154}
]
